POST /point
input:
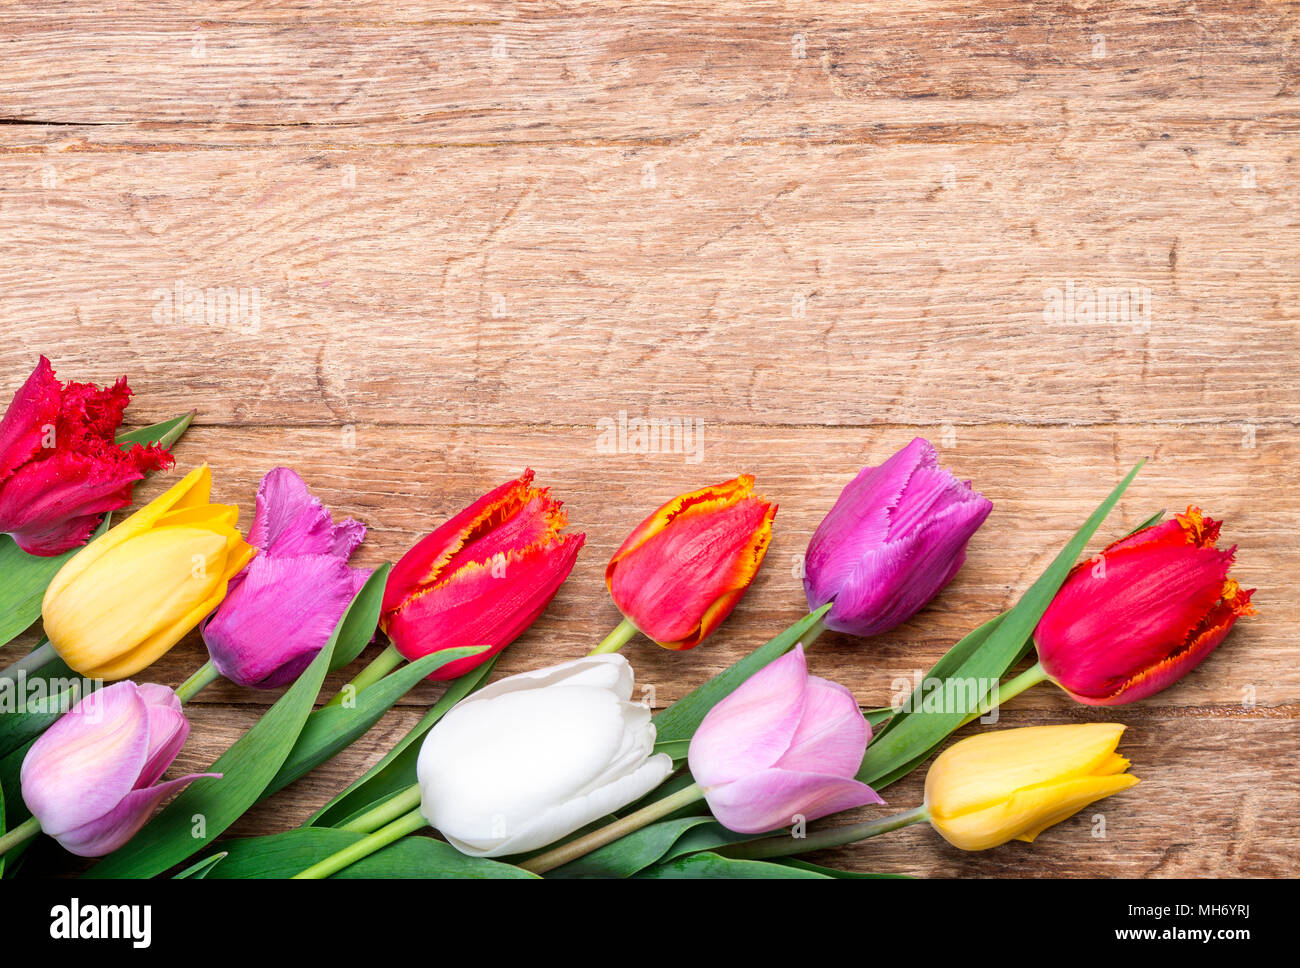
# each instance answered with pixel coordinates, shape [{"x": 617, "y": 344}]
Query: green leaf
[
  {"x": 332, "y": 728},
  {"x": 631, "y": 853},
  {"x": 908, "y": 742},
  {"x": 680, "y": 720},
  {"x": 362, "y": 619},
  {"x": 166, "y": 433},
  {"x": 200, "y": 870},
  {"x": 285, "y": 854},
  {"x": 711, "y": 865},
  {"x": 396, "y": 771},
  {"x": 838, "y": 874},
  {"x": 247, "y": 767},
  {"x": 23, "y": 580}
]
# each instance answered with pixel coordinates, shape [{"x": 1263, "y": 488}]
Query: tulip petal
[
  {"x": 482, "y": 604},
  {"x": 89, "y": 760},
  {"x": 1027, "y": 813},
  {"x": 679, "y": 583},
  {"x": 609, "y": 671},
  {"x": 977, "y": 772},
  {"x": 832, "y": 733},
  {"x": 168, "y": 730},
  {"x": 270, "y": 627},
  {"x": 33, "y": 411},
  {"x": 774, "y": 798},
  {"x": 291, "y": 521},
  {"x": 750, "y": 729},
  {"x": 108, "y": 832}
]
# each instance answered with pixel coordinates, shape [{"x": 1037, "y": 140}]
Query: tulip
[
  {"x": 60, "y": 470},
  {"x": 530, "y": 759},
  {"x": 784, "y": 744},
  {"x": 480, "y": 579},
  {"x": 1010, "y": 784},
  {"x": 686, "y": 566},
  {"x": 521, "y": 763},
  {"x": 1143, "y": 614},
  {"x": 281, "y": 610},
  {"x": 131, "y": 594},
  {"x": 1013, "y": 784},
  {"x": 896, "y": 536},
  {"x": 91, "y": 780}
]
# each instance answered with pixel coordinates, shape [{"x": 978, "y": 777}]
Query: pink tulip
[
  {"x": 783, "y": 745},
  {"x": 91, "y": 780}
]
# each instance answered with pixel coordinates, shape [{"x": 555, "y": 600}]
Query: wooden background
[{"x": 819, "y": 228}]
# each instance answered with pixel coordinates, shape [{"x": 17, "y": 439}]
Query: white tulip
[{"x": 525, "y": 761}]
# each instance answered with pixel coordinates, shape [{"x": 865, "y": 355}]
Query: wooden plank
[
  {"x": 1043, "y": 482},
  {"x": 762, "y": 284}
]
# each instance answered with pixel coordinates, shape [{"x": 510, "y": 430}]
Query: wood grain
[{"x": 465, "y": 235}]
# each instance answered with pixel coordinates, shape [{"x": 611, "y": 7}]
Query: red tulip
[
  {"x": 60, "y": 469},
  {"x": 1143, "y": 614},
  {"x": 481, "y": 578},
  {"x": 684, "y": 568}
]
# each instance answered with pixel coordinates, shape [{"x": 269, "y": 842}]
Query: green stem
[
  {"x": 816, "y": 629},
  {"x": 380, "y": 666},
  {"x": 821, "y": 839},
  {"x": 38, "y": 658},
  {"x": 26, "y": 830},
  {"x": 386, "y": 812},
  {"x": 406, "y": 824},
  {"x": 620, "y": 828},
  {"x": 616, "y": 639},
  {"x": 203, "y": 677},
  {"x": 1008, "y": 690}
]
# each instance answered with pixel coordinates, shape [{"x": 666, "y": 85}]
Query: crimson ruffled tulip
[
  {"x": 1143, "y": 614},
  {"x": 895, "y": 537},
  {"x": 91, "y": 781},
  {"x": 281, "y": 609},
  {"x": 60, "y": 470},
  {"x": 686, "y": 566},
  {"x": 481, "y": 578}
]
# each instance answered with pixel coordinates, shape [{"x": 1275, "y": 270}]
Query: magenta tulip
[
  {"x": 782, "y": 746},
  {"x": 281, "y": 609},
  {"x": 896, "y": 536},
  {"x": 91, "y": 780}
]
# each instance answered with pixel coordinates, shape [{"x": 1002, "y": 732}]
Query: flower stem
[
  {"x": 616, "y": 639},
  {"x": 408, "y": 823},
  {"x": 204, "y": 676},
  {"x": 1008, "y": 690},
  {"x": 386, "y": 812},
  {"x": 821, "y": 839},
  {"x": 380, "y": 666},
  {"x": 608, "y": 834},
  {"x": 817, "y": 628},
  {"x": 26, "y": 830},
  {"x": 38, "y": 658}
]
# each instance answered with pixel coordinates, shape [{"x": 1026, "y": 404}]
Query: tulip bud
[
  {"x": 131, "y": 594},
  {"x": 1013, "y": 784},
  {"x": 60, "y": 470},
  {"x": 481, "y": 578},
  {"x": 527, "y": 760},
  {"x": 896, "y": 536},
  {"x": 91, "y": 780},
  {"x": 1143, "y": 614},
  {"x": 281, "y": 609},
  {"x": 783, "y": 745},
  {"x": 685, "y": 567}
]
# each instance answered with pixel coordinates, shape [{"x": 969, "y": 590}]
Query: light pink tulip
[
  {"x": 782, "y": 746},
  {"x": 92, "y": 779}
]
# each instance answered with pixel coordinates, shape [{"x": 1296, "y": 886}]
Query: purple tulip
[
  {"x": 281, "y": 610},
  {"x": 894, "y": 538},
  {"x": 91, "y": 780},
  {"x": 783, "y": 745}
]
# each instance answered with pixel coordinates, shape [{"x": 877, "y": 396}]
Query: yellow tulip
[
  {"x": 1013, "y": 784},
  {"x": 131, "y": 594}
]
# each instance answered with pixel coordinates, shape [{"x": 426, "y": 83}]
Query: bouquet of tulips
[{"x": 556, "y": 771}]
